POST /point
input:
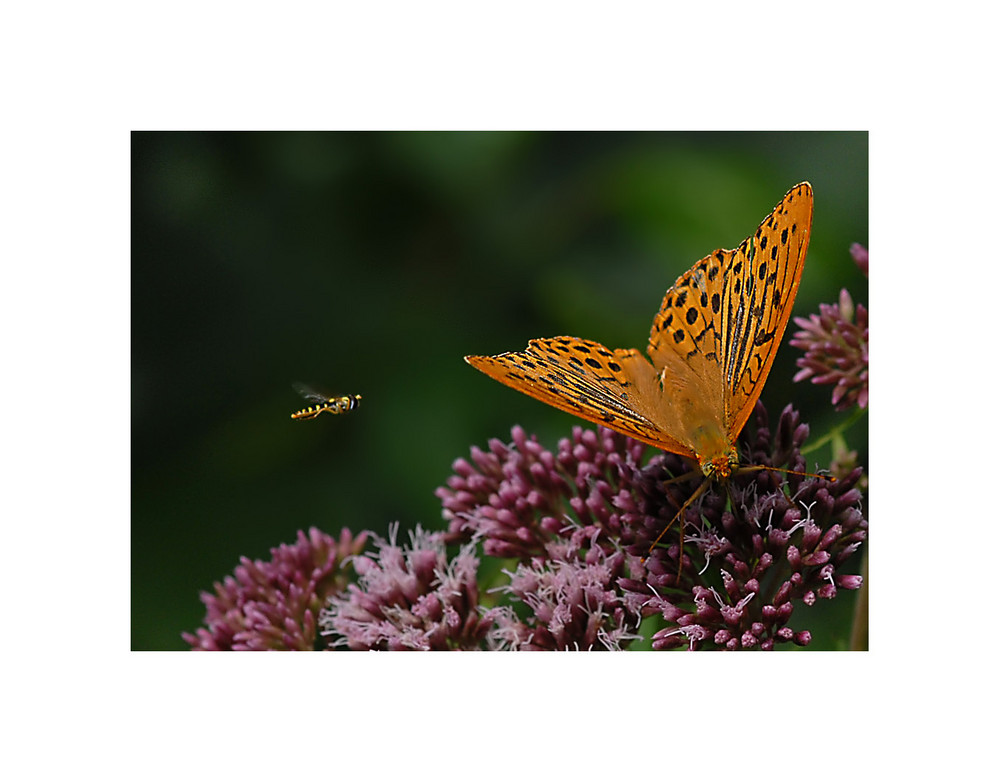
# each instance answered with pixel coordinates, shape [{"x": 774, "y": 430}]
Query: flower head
[
  {"x": 836, "y": 346},
  {"x": 525, "y": 501},
  {"x": 572, "y": 602},
  {"x": 782, "y": 539},
  {"x": 275, "y": 604},
  {"x": 600, "y": 544},
  {"x": 410, "y": 597},
  {"x": 753, "y": 545}
]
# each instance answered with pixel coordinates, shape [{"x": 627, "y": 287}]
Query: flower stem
[{"x": 836, "y": 432}]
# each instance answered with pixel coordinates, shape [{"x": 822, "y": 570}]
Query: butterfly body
[{"x": 710, "y": 349}]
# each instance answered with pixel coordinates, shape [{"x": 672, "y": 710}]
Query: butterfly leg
[
  {"x": 705, "y": 484},
  {"x": 685, "y": 477}
]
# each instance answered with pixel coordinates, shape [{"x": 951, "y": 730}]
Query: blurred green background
[{"x": 370, "y": 263}]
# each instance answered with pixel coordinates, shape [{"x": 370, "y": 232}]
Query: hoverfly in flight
[{"x": 335, "y": 405}]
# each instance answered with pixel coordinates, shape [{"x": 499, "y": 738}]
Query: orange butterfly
[{"x": 710, "y": 349}]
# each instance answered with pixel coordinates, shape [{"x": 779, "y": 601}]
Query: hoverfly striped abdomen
[{"x": 335, "y": 405}]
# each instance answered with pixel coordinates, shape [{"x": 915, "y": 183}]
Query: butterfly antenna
[{"x": 756, "y": 467}]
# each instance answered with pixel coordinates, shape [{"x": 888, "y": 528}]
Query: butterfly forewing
[{"x": 588, "y": 380}]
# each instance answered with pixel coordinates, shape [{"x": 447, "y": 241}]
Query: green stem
[{"x": 836, "y": 431}]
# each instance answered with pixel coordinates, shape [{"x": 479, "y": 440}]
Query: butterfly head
[{"x": 721, "y": 466}]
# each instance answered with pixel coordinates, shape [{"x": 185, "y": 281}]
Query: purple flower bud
[
  {"x": 849, "y": 582},
  {"x": 827, "y": 592},
  {"x": 778, "y": 538},
  {"x": 860, "y": 255},
  {"x": 781, "y": 595},
  {"x": 810, "y": 536},
  {"x": 816, "y": 558},
  {"x": 831, "y": 535}
]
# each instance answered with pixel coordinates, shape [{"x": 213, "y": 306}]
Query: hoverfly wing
[{"x": 309, "y": 393}]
